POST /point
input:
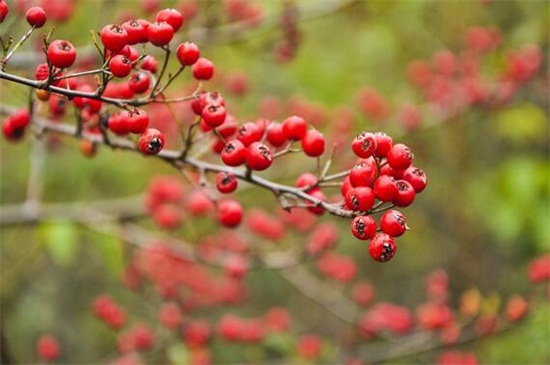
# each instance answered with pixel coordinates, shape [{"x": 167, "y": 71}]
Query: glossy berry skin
[
  {"x": 275, "y": 134},
  {"x": 226, "y": 182},
  {"x": 3, "y": 10},
  {"x": 363, "y": 174},
  {"x": 360, "y": 198},
  {"x": 150, "y": 64},
  {"x": 400, "y": 157},
  {"x": 188, "y": 53},
  {"x": 36, "y": 17},
  {"x": 117, "y": 124},
  {"x": 405, "y": 194},
  {"x": 393, "y": 223},
  {"x": 120, "y": 66},
  {"x": 234, "y": 153},
  {"x": 382, "y": 247},
  {"x": 136, "y": 120},
  {"x": 151, "y": 142},
  {"x": 203, "y": 69},
  {"x": 230, "y": 213},
  {"x": 160, "y": 34},
  {"x": 417, "y": 178},
  {"x": 249, "y": 133},
  {"x": 214, "y": 115},
  {"x": 294, "y": 128},
  {"x": 384, "y": 144},
  {"x": 258, "y": 156},
  {"x": 172, "y": 17},
  {"x": 313, "y": 143},
  {"x": 139, "y": 82},
  {"x": 136, "y": 30},
  {"x": 364, "y": 145},
  {"x": 363, "y": 227},
  {"x": 61, "y": 53},
  {"x": 385, "y": 188},
  {"x": 114, "y": 37}
]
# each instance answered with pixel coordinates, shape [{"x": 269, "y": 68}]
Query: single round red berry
[
  {"x": 117, "y": 124},
  {"x": 203, "y": 69},
  {"x": 393, "y": 223},
  {"x": 400, "y": 157},
  {"x": 313, "y": 143},
  {"x": 188, "y": 53},
  {"x": 139, "y": 82},
  {"x": 137, "y": 31},
  {"x": 306, "y": 180},
  {"x": 405, "y": 194},
  {"x": 230, "y": 213},
  {"x": 416, "y": 177},
  {"x": 160, "y": 34},
  {"x": 171, "y": 16},
  {"x": 114, "y": 37},
  {"x": 364, "y": 144},
  {"x": 48, "y": 348},
  {"x": 214, "y": 115},
  {"x": 137, "y": 120},
  {"x": 363, "y": 174},
  {"x": 363, "y": 227},
  {"x": 384, "y": 144},
  {"x": 36, "y": 17},
  {"x": 234, "y": 153},
  {"x": 3, "y": 10},
  {"x": 226, "y": 182},
  {"x": 294, "y": 128},
  {"x": 382, "y": 247},
  {"x": 360, "y": 198},
  {"x": 150, "y": 64},
  {"x": 61, "y": 53},
  {"x": 120, "y": 66},
  {"x": 249, "y": 133},
  {"x": 275, "y": 134},
  {"x": 258, "y": 156},
  {"x": 151, "y": 142},
  {"x": 385, "y": 188}
]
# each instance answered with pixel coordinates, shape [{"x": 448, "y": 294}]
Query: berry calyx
[
  {"x": 226, "y": 182},
  {"x": 363, "y": 227},
  {"x": 400, "y": 157},
  {"x": 360, "y": 198},
  {"x": 234, "y": 153},
  {"x": 114, "y": 37},
  {"x": 151, "y": 142},
  {"x": 416, "y": 177},
  {"x": 393, "y": 223},
  {"x": 382, "y": 247},
  {"x": 258, "y": 156},
  {"x": 160, "y": 34},
  {"x": 405, "y": 194},
  {"x": 214, "y": 115},
  {"x": 136, "y": 30},
  {"x": 61, "y": 53},
  {"x": 364, "y": 145},
  {"x": 139, "y": 82},
  {"x": 120, "y": 66}
]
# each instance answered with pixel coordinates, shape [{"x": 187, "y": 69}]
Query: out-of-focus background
[{"x": 348, "y": 66}]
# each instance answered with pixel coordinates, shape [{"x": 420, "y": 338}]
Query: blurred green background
[{"x": 484, "y": 216}]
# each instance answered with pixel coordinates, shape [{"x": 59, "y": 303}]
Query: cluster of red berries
[{"x": 383, "y": 178}]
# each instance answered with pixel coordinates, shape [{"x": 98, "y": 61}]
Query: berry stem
[{"x": 19, "y": 43}]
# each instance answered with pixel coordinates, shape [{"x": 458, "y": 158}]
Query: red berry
[
  {"x": 214, "y": 115},
  {"x": 188, "y": 53},
  {"x": 234, "y": 153},
  {"x": 129, "y": 52},
  {"x": 382, "y": 247},
  {"x": 313, "y": 143},
  {"x": 400, "y": 157},
  {"x": 226, "y": 182},
  {"x": 3, "y": 10},
  {"x": 405, "y": 194},
  {"x": 61, "y": 53},
  {"x": 318, "y": 194},
  {"x": 137, "y": 120},
  {"x": 416, "y": 177},
  {"x": 294, "y": 128},
  {"x": 363, "y": 227},
  {"x": 36, "y": 17},
  {"x": 47, "y": 348},
  {"x": 120, "y": 66},
  {"x": 139, "y": 82},
  {"x": 384, "y": 144},
  {"x": 346, "y": 185},
  {"x": 203, "y": 69},
  {"x": 306, "y": 180},
  {"x": 172, "y": 17},
  {"x": 249, "y": 133},
  {"x": 136, "y": 30},
  {"x": 150, "y": 64},
  {"x": 309, "y": 346},
  {"x": 160, "y": 34},
  {"x": 275, "y": 134},
  {"x": 151, "y": 142},
  {"x": 258, "y": 156},
  {"x": 360, "y": 198},
  {"x": 393, "y": 223},
  {"x": 114, "y": 37},
  {"x": 196, "y": 334},
  {"x": 14, "y": 126},
  {"x": 385, "y": 188},
  {"x": 117, "y": 124},
  {"x": 230, "y": 213},
  {"x": 20, "y": 119},
  {"x": 364, "y": 145},
  {"x": 363, "y": 174}
]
